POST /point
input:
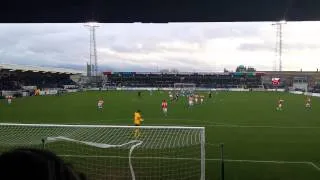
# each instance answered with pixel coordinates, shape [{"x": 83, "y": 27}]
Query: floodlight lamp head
[
  {"x": 92, "y": 24},
  {"x": 283, "y": 22}
]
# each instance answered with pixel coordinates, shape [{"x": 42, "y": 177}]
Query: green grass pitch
[{"x": 260, "y": 142}]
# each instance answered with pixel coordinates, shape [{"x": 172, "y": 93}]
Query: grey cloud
[
  {"x": 257, "y": 47},
  {"x": 68, "y": 44},
  {"x": 115, "y": 64},
  {"x": 300, "y": 46},
  {"x": 60, "y": 44},
  {"x": 125, "y": 48},
  {"x": 131, "y": 47},
  {"x": 46, "y": 46},
  {"x": 189, "y": 61},
  {"x": 150, "y": 35},
  {"x": 204, "y": 31},
  {"x": 221, "y": 32},
  {"x": 270, "y": 46}
]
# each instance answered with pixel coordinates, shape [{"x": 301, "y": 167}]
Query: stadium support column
[
  {"x": 93, "y": 48},
  {"x": 279, "y": 42}
]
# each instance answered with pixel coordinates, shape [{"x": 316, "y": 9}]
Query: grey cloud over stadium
[{"x": 149, "y": 47}]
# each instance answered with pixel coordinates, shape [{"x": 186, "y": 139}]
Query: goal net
[
  {"x": 116, "y": 152},
  {"x": 185, "y": 88}
]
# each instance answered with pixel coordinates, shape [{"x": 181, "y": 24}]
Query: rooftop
[{"x": 16, "y": 67}]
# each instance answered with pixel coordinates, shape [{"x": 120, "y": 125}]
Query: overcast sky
[{"x": 149, "y": 47}]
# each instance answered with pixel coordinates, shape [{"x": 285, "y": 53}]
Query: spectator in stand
[{"x": 36, "y": 165}]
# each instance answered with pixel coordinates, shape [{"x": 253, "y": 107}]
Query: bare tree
[
  {"x": 174, "y": 70},
  {"x": 164, "y": 70}
]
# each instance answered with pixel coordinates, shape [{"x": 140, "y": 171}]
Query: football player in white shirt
[
  {"x": 201, "y": 99},
  {"x": 196, "y": 99},
  {"x": 100, "y": 104},
  {"x": 280, "y": 104},
  {"x": 170, "y": 96},
  {"x": 190, "y": 101},
  {"x": 9, "y": 99},
  {"x": 308, "y": 102}
]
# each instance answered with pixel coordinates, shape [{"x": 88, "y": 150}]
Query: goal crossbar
[{"x": 100, "y": 126}]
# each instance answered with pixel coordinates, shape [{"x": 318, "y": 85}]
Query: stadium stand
[
  {"x": 292, "y": 79},
  {"x": 243, "y": 77},
  {"x": 202, "y": 80},
  {"x": 15, "y": 77}
]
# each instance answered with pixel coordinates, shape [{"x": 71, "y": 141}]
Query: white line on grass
[
  {"x": 315, "y": 166},
  {"x": 198, "y": 159},
  {"x": 243, "y": 126},
  {"x": 219, "y": 124},
  {"x": 254, "y": 126},
  {"x": 205, "y": 123}
]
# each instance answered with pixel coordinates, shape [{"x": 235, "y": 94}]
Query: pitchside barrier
[
  {"x": 172, "y": 89},
  {"x": 207, "y": 89},
  {"x": 117, "y": 152},
  {"x": 305, "y": 93},
  {"x": 54, "y": 91}
]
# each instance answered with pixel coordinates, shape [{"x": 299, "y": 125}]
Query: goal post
[
  {"x": 116, "y": 152},
  {"x": 189, "y": 86}
]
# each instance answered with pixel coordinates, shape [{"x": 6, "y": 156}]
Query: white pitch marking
[
  {"x": 254, "y": 126},
  {"x": 205, "y": 124},
  {"x": 219, "y": 124},
  {"x": 198, "y": 159},
  {"x": 315, "y": 166}
]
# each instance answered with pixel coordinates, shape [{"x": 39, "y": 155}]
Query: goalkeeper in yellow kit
[{"x": 137, "y": 122}]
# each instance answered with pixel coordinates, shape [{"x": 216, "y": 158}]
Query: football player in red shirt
[
  {"x": 164, "y": 106},
  {"x": 9, "y": 99}
]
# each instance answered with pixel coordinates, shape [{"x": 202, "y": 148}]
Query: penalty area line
[
  {"x": 276, "y": 162},
  {"x": 314, "y": 165},
  {"x": 220, "y": 124},
  {"x": 198, "y": 159},
  {"x": 205, "y": 124},
  {"x": 254, "y": 126}
]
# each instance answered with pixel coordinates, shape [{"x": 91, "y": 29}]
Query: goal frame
[
  {"x": 202, "y": 134},
  {"x": 184, "y": 86}
]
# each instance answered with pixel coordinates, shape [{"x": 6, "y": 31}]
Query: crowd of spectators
[
  {"x": 200, "y": 80},
  {"x": 16, "y": 80}
]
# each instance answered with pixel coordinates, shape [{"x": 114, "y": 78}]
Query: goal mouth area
[
  {"x": 99, "y": 126},
  {"x": 116, "y": 151}
]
